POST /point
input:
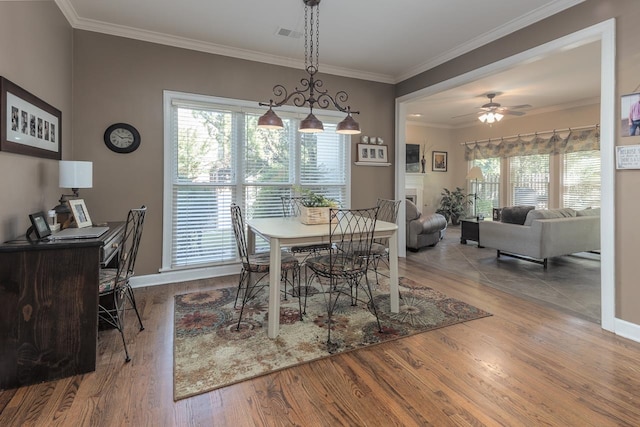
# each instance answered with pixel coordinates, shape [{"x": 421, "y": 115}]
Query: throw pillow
[
  {"x": 549, "y": 214},
  {"x": 515, "y": 214},
  {"x": 589, "y": 212}
]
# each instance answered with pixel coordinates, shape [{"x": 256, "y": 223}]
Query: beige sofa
[{"x": 544, "y": 234}]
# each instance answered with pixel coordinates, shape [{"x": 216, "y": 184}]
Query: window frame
[{"x": 245, "y": 106}]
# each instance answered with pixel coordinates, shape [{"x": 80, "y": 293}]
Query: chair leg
[
  {"x": 132, "y": 301},
  {"x": 245, "y": 297},
  {"x": 373, "y": 304},
  {"x": 119, "y": 306}
]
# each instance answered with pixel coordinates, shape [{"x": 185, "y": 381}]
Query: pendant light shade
[
  {"x": 270, "y": 120},
  {"x": 311, "y": 124},
  {"x": 348, "y": 126},
  {"x": 311, "y": 92}
]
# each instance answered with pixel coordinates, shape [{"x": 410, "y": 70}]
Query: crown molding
[
  {"x": 80, "y": 23},
  {"x": 502, "y": 31}
]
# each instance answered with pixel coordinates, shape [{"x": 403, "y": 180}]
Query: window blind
[
  {"x": 529, "y": 180},
  {"x": 581, "y": 180},
  {"x": 219, "y": 157}
]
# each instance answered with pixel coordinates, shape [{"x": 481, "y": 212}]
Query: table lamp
[
  {"x": 73, "y": 175},
  {"x": 475, "y": 173}
]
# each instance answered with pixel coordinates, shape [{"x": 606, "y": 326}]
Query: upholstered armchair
[{"x": 423, "y": 230}]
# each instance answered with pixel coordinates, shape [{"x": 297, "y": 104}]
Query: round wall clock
[{"x": 122, "y": 138}]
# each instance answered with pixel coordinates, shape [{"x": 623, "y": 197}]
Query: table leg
[
  {"x": 274, "y": 288},
  {"x": 393, "y": 273}
]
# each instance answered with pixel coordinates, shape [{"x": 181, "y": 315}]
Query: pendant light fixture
[{"x": 311, "y": 92}]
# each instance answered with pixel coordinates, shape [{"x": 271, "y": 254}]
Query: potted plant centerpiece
[
  {"x": 315, "y": 208},
  {"x": 453, "y": 204}
]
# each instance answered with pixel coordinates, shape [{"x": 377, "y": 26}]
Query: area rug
[{"x": 210, "y": 353}]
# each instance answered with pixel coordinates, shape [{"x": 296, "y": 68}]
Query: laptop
[{"x": 79, "y": 233}]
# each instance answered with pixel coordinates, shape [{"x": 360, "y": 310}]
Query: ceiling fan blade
[
  {"x": 519, "y": 106},
  {"x": 464, "y": 115},
  {"x": 513, "y": 113}
]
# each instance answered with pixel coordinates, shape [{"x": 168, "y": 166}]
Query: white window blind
[
  {"x": 581, "y": 179},
  {"x": 219, "y": 157},
  {"x": 529, "y": 180}
]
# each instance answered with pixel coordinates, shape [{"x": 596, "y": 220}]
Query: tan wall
[
  {"x": 35, "y": 54},
  {"x": 627, "y": 204},
  {"x": 122, "y": 80},
  {"x": 435, "y": 139}
]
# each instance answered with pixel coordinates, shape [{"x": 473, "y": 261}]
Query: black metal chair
[
  {"x": 115, "y": 289},
  {"x": 351, "y": 238},
  {"x": 258, "y": 263},
  {"x": 380, "y": 248}
]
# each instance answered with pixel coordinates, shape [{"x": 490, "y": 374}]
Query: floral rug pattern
[{"x": 210, "y": 353}]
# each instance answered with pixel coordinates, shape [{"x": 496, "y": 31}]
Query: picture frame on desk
[
  {"x": 80, "y": 213},
  {"x": 39, "y": 225}
]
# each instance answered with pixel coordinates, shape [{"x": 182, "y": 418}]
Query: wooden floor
[{"x": 524, "y": 366}]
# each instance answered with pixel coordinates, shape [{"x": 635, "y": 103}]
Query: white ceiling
[{"x": 377, "y": 40}]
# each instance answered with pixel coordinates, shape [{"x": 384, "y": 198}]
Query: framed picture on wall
[
  {"x": 439, "y": 161},
  {"x": 372, "y": 153},
  {"x": 412, "y": 164},
  {"x": 29, "y": 125},
  {"x": 630, "y": 115}
]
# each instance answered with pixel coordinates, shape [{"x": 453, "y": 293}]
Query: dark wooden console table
[
  {"x": 470, "y": 230},
  {"x": 49, "y": 306}
]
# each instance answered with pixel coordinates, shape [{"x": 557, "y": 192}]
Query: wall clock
[{"x": 122, "y": 138}]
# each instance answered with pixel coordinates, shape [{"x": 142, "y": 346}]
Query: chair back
[
  {"x": 129, "y": 246},
  {"x": 239, "y": 231},
  {"x": 351, "y": 232},
  {"x": 388, "y": 212},
  {"x": 291, "y": 206}
]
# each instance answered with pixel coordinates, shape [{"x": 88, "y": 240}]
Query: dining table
[{"x": 290, "y": 231}]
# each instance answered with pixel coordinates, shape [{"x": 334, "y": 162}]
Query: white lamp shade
[
  {"x": 75, "y": 174},
  {"x": 475, "y": 173}
]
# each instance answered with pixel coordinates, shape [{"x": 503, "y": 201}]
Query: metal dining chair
[
  {"x": 380, "y": 248},
  {"x": 115, "y": 290},
  {"x": 259, "y": 263},
  {"x": 344, "y": 268}
]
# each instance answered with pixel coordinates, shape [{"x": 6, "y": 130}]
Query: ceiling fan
[{"x": 494, "y": 112}]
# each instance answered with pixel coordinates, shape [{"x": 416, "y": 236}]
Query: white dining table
[{"x": 286, "y": 232}]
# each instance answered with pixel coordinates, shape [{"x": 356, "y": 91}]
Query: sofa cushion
[
  {"x": 412, "y": 210},
  {"x": 548, "y": 214},
  {"x": 589, "y": 212},
  {"x": 515, "y": 214}
]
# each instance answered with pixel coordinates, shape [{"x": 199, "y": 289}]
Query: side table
[{"x": 470, "y": 230}]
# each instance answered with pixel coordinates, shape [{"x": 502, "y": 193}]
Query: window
[
  {"x": 216, "y": 155},
  {"x": 581, "y": 179},
  {"x": 488, "y": 190},
  {"x": 529, "y": 180}
]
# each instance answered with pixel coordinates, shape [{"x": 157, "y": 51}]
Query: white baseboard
[
  {"x": 183, "y": 275},
  {"x": 627, "y": 329}
]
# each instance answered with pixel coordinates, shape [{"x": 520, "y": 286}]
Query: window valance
[{"x": 549, "y": 142}]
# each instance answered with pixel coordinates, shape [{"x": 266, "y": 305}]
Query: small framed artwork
[
  {"x": 28, "y": 125},
  {"x": 630, "y": 115},
  {"x": 372, "y": 153},
  {"x": 439, "y": 161},
  {"x": 80, "y": 213},
  {"x": 39, "y": 225}
]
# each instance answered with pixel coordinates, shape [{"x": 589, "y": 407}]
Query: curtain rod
[{"x": 483, "y": 141}]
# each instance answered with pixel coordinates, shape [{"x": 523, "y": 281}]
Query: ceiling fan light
[
  {"x": 491, "y": 118},
  {"x": 348, "y": 126},
  {"x": 498, "y": 116},
  {"x": 270, "y": 120},
  {"x": 483, "y": 118},
  {"x": 311, "y": 124}
]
